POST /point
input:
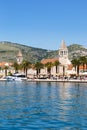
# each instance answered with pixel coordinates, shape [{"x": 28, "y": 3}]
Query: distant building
[
  {"x": 19, "y": 57},
  {"x": 3, "y": 66}
]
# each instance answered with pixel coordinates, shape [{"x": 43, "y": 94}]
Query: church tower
[
  {"x": 63, "y": 54},
  {"x": 19, "y": 57}
]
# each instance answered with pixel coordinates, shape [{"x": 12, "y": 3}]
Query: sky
[{"x": 44, "y": 23}]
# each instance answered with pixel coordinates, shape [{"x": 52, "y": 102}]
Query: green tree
[
  {"x": 25, "y": 65},
  {"x": 83, "y": 61},
  {"x": 56, "y": 63},
  {"x": 76, "y": 63},
  {"x": 16, "y": 66},
  {"x": 49, "y": 66},
  {"x": 38, "y": 66},
  {"x": 6, "y": 68},
  {"x": 86, "y": 63},
  {"x": 63, "y": 70}
]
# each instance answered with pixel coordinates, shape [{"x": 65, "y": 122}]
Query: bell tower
[
  {"x": 63, "y": 51},
  {"x": 63, "y": 54},
  {"x": 19, "y": 57}
]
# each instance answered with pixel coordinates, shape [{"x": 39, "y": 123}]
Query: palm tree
[
  {"x": 86, "y": 63},
  {"x": 16, "y": 66},
  {"x": 63, "y": 70},
  {"x": 76, "y": 63},
  {"x": 49, "y": 65},
  {"x": 83, "y": 61},
  {"x": 0, "y": 68},
  {"x": 56, "y": 63},
  {"x": 25, "y": 65},
  {"x": 38, "y": 66},
  {"x": 6, "y": 68}
]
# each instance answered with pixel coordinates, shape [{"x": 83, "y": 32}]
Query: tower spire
[
  {"x": 63, "y": 54},
  {"x": 19, "y": 57},
  {"x": 63, "y": 45}
]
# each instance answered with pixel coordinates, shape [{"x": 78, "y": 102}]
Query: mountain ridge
[{"x": 9, "y": 51}]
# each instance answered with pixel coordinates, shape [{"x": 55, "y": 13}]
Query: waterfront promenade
[
  {"x": 78, "y": 80},
  {"x": 58, "y": 80}
]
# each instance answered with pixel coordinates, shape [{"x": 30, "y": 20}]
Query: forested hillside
[{"x": 9, "y": 50}]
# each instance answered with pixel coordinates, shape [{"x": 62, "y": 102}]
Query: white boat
[
  {"x": 8, "y": 78},
  {"x": 19, "y": 77},
  {"x": 16, "y": 77}
]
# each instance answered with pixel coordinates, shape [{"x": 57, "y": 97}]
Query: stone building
[
  {"x": 63, "y": 54},
  {"x": 19, "y": 57},
  {"x": 63, "y": 59}
]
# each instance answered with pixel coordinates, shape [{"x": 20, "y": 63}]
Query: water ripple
[{"x": 43, "y": 106}]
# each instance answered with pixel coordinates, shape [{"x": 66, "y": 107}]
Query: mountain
[
  {"x": 9, "y": 51},
  {"x": 76, "y": 50}
]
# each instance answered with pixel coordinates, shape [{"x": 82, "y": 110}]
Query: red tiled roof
[
  {"x": 44, "y": 61},
  {"x": 81, "y": 67},
  {"x": 2, "y": 64}
]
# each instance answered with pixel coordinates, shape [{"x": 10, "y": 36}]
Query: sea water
[{"x": 43, "y": 106}]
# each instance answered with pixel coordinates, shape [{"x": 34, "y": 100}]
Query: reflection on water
[{"x": 43, "y": 106}]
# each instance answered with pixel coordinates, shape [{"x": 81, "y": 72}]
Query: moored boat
[{"x": 16, "y": 77}]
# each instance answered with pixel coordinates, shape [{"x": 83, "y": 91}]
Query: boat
[{"x": 16, "y": 77}]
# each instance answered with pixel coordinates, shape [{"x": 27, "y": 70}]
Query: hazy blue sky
[{"x": 44, "y": 23}]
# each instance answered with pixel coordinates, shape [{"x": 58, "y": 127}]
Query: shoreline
[
  {"x": 58, "y": 80},
  {"x": 50, "y": 80}
]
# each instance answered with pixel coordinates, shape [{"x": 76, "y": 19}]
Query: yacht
[{"x": 16, "y": 77}]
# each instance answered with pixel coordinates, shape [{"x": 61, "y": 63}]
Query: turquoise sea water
[{"x": 43, "y": 106}]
